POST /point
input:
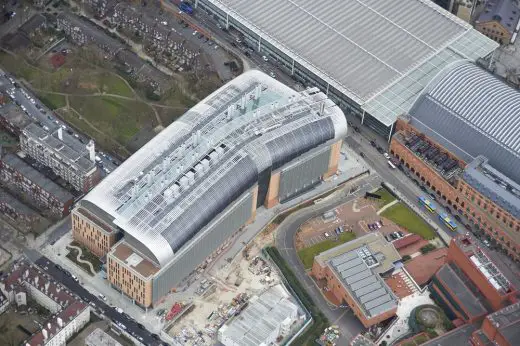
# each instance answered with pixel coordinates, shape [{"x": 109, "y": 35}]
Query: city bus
[
  {"x": 427, "y": 204},
  {"x": 448, "y": 222},
  {"x": 185, "y": 7}
]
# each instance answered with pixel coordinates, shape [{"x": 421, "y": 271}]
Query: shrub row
[{"x": 320, "y": 321}]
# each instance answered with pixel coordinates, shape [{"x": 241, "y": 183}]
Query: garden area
[
  {"x": 307, "y": 254},
  {"x": 406, "y": 218},
  {"x": 386, "y": 196},
  {"x": 427, "y": 322},
  {"x": 86, "y": 256}
]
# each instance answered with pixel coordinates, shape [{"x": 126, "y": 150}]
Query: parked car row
[{"x": 394, "y": 236}]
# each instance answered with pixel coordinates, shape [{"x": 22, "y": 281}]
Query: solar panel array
[{"x": 366, "y": 287}]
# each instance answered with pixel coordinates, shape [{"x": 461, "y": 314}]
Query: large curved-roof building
[
  {"x": 371, "y": 57},
  {"x": 472, "y": 113},
  {"x": 461, "y": 141},
  {"x": 253, "y": 142}
]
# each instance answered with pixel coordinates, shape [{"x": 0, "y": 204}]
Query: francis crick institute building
[{"x": 179, "y": 199}]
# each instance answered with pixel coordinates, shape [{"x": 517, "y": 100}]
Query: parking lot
[{"x": 359, "y": 216}]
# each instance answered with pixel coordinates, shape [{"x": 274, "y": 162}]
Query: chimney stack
[
  {"x": 60, "y": 133},
  {"x": 91, "y": 151}
]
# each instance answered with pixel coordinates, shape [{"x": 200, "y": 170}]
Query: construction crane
[{"x": 173, "y": 7}]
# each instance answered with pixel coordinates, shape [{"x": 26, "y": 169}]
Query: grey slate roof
[
  {"x": 38, "y": 178},
  {"x": 465, "y": 103},
  {"x": 505, "y": 12},
  {"x": 453, "y": 281},
  {"x": 494, "y": 185},
  {"x": 459, "y": 336},
  {"x": 507, "y": 320},
  {"x": 361, "y": 48}
]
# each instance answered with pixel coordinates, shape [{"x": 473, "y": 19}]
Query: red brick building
[
  {"x": 470, "y": 285},
  {"x": 352, "y": 272},
  {"x": 456, "y": 189}
]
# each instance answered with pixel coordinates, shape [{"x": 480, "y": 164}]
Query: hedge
[{"x": 320, "y": 321}]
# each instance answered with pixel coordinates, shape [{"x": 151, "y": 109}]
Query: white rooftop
[
  {"x": 261, "y": 320},
  {"x": 378, "y": 53}
]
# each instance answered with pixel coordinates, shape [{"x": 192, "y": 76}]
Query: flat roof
[
  {"x": 263, "y": 316},
  {"x": 37, "y": 178},
  {"x": 481, "y": 260},
  {"x": 14, "y": 115},
  {"x": 496, "y": 186},
  {"x": 365, "y": 49},
  {"x": 507, "y": 321},
  {"x": 68, "y": 148},
  {"x": 133, "y": 259},
  {"x": 422, "y": 268},
  {"x": 172, "y": 187},
  {"x": 459, "y": 336},
  {"x": 456, "y": 285},
  {"x": 357, "y": 266},
  {"x": 19, "y": 207}
]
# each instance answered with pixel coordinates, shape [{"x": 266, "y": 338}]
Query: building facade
[
  {"x": 13, "y": 119},
  {"x": 64, "y": 154},
  {"x": 92, "y": 229},
  {"x": 477, "y": 181},
  {"x": 470, "y": 285},
  {"x": 182, "y": 197},
  {"x": 352, "y": 273},
  {"x": 499, "y": 20},
  {"x": 17, "y": 174},
  {"x": 69, "y": 314}
]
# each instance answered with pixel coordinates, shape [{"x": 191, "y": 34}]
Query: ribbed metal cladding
[
  {"x": 285, "y": 148},
  {"x": 211, "y": 203},
  {"x": 303, "y": 175},
  {"x": 209, "y": 240},
  {"x": 472, "y": 113}
]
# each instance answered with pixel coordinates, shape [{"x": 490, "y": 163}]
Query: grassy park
[
  {"x": 406, "y": 218},
  {"x": 386, "y": 196}
]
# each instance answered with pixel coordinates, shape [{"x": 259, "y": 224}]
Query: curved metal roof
[
  {"x": 166, "y": 192},
  {"x": 472, "y": 113}
]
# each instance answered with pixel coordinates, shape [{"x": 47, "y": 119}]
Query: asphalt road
[
  {"x": 110, "y": 312},
  {"x": 344, "y": 318},
  {"x": 40, "y": 114}
]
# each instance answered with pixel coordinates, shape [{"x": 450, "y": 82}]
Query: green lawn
[
  {"x": 386, "y": 196},
  {"x": 117, "y": 118},
  {"x": 406, "y": 218},
  {"x": 113, "y": 84},
  {"x": 307, "y": 255},
  {"x": 53, "y": 101}
]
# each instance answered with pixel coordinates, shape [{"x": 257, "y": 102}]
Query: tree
[{"x": 427, "y": 248}]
